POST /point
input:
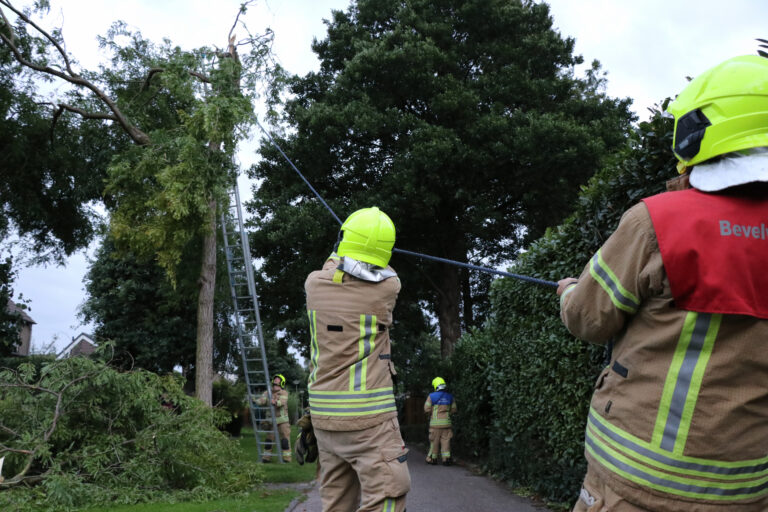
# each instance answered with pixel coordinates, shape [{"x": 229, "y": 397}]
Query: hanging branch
[{"x": 138, "y": 136}]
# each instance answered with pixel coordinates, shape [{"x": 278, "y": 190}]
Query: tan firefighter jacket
[
  {"x": 350, "y": 381},
  {"x": 281, "y": 404},
  {"x": 679, "y": 418},
  {"x": 440, "y": 405}
]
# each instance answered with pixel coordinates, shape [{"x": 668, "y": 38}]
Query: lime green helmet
[
  {"x": 369, "y": 235},
  {"x": 725, "y": 109},
  {"x": 282, "y": 379},
  {"x": 438, "y": 383}
]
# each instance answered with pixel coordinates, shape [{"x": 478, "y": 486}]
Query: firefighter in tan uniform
[
  {"x": 679, "y": 418},
  {"x": 362, "y": 456},
  {"x": 440, "y": 405},
  {"x": 280, "y": 401}
]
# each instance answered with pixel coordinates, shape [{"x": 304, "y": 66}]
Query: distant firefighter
[
  {"x": 440, "y": 405},
  {"x": 280, "y": 401}
]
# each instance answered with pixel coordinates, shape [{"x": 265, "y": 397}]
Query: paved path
[{"x": 444, "y": 489}]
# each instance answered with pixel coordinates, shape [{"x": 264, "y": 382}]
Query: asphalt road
[{"x": 445, "y": 489}]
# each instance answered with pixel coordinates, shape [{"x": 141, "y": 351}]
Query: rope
[{"x": 487, "y": 270}]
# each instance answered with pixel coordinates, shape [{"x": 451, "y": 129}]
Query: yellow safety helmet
[
  {"x": 368, "y": 235},
  {"x": 723, "y": 110},
  {"x": 282, "y": 379},
  {"x": 438, "y": 383}
]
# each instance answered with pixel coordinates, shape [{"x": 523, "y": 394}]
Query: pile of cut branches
[{"x": 77, "y": 432}]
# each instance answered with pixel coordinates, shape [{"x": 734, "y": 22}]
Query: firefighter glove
[{"x": 306, "y": 443}]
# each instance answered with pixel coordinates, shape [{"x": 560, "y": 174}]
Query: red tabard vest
[{"x": 715, "y": 250}]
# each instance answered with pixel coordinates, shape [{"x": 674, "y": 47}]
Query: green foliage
[
  {"x": 162, "y": 193},
  {"x": 87, "y": 434},
  {"x": 52, "y": 174},
  {"x": 152, "y": 324},
  {"x": 529, "y": 417},
  {"x": 463, "y": 120}
]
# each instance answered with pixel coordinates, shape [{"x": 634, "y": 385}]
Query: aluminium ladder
[{"x": 250, "y": 338}]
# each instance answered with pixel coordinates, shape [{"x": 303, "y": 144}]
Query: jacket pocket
[
  {"x": 397, "y": 478},
  {"x": 589, "y": 500},
  {"x": 601, "y": 379}
]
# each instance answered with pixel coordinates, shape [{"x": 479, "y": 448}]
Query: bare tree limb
[
  {"x": 138, "y": 136},
  {"x": 45, "y": 34}
]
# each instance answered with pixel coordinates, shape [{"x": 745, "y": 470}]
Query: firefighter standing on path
[
  {"x": 440, "y": 405},
  {"x": 679, "y": 418},
  {"x": 280, "y": 401},
  {"x": 362, "y": 456}
]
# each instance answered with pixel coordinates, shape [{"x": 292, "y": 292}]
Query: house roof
[
  {"x": 12, "y": 307},
  {"x": 83, "y": 336}
]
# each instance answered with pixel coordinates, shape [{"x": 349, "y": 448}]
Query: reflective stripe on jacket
[
  {"x": 350, "y": 382},
  {"x": 678, "y": 417},
  {"x": 440, "y": 405}
]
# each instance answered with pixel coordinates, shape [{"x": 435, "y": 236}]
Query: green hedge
[{"x": 528, "y": 419}]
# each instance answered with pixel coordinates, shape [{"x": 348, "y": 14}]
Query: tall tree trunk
[
  {"x": 448, "y": 306},
  {"x": 207, "y": 283},
  {"x": 466, "y": 296}
]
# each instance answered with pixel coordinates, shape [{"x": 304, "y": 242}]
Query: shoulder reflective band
[
  {"x": 358, "y": 373},
  {"x": 314, "y": 349},
  {"x": 683, "y": 382},
  {"x": 351, "y": 403},
  {"x": 602, "y": 273},
  {"x": 338, "y": 276},
  {"x": 642, "y": 463}
]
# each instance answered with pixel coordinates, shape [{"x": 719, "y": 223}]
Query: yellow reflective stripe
[
  {"x": 672, "y": 484},
  {"x": 358, "y": 372},
  {"x": 565, "y": 293},
  {"x": 338, "y": 276},
  {"x": 389, "y": 505},
  {"x": 620, "y": 296},
  {"x": 683, "y": 381},
  {"x": 342, "y": 394},
  {"x": 695, "y": 386},
  {"x": 662, "y": 459},
  {"x": 354, "y": 412},
  {"x": 314, "y": 348}
]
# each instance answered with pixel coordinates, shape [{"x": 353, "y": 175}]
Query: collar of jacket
[{"x": 365, "y": 271}]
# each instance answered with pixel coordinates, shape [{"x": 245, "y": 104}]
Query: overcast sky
[{"x": 646, "y": 47}]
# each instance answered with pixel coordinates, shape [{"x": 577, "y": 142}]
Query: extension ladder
[{"x": 250, "y": 339}]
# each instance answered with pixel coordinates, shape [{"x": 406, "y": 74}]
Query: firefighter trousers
[
  {"x": 363, "y": 470},
  {"x": 284, "y": 430},
  {"x": 439, "y": 443}
]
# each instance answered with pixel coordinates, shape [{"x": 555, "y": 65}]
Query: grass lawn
[
  {"x": 261, "y": 500},
  {"x": 275, "y": 472}
]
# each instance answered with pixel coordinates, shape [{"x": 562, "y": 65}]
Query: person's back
[
  {"x": 350, "y": 385},
  {"x": 440, "y": 405},
  {"x": 679, "y": 419},
  {"x": 362, "y": 457}
]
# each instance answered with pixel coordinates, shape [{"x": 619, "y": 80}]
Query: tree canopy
[
  {"x": 463, "y": 120},
  {"x": 176, "y": 117}
]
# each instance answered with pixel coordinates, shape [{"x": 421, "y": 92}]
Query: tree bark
[
  {"x": 207, "y": 283},
  {"x": 448, "y": 309}
]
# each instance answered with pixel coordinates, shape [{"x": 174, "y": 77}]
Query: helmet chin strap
[{"x": 338, "y": 241}]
